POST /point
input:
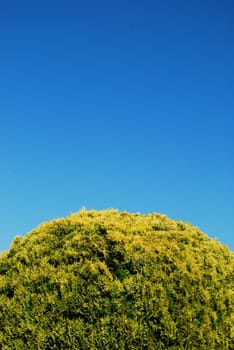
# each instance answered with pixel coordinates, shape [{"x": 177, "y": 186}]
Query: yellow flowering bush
[{"x": 115, "y": 280}]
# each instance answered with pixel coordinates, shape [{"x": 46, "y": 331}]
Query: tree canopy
[{"x": 115, "y": 280}]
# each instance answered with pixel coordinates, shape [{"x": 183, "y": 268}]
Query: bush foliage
[{"x": 114, "y": 280}]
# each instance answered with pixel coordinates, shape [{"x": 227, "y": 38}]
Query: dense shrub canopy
[{"x": 111, "y": 280}]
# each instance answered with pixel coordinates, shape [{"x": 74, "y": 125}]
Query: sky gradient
[{"x": 117, "y": 104}]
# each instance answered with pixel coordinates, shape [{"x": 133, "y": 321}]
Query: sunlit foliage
[{"x": 112, "y": 280}]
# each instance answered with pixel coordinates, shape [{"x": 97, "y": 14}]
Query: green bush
[{"x": 111, "y": 280}]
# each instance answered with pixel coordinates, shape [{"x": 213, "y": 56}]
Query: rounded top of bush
[{"x": 115, "y": 280}]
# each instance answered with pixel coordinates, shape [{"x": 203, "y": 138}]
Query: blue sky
[{"x": 117, "y": 104}]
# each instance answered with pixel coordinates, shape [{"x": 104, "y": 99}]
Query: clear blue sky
[{"x": 117, "y": 104}]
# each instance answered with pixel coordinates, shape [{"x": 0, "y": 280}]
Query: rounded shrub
[{"x": 114, "y": 280}]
